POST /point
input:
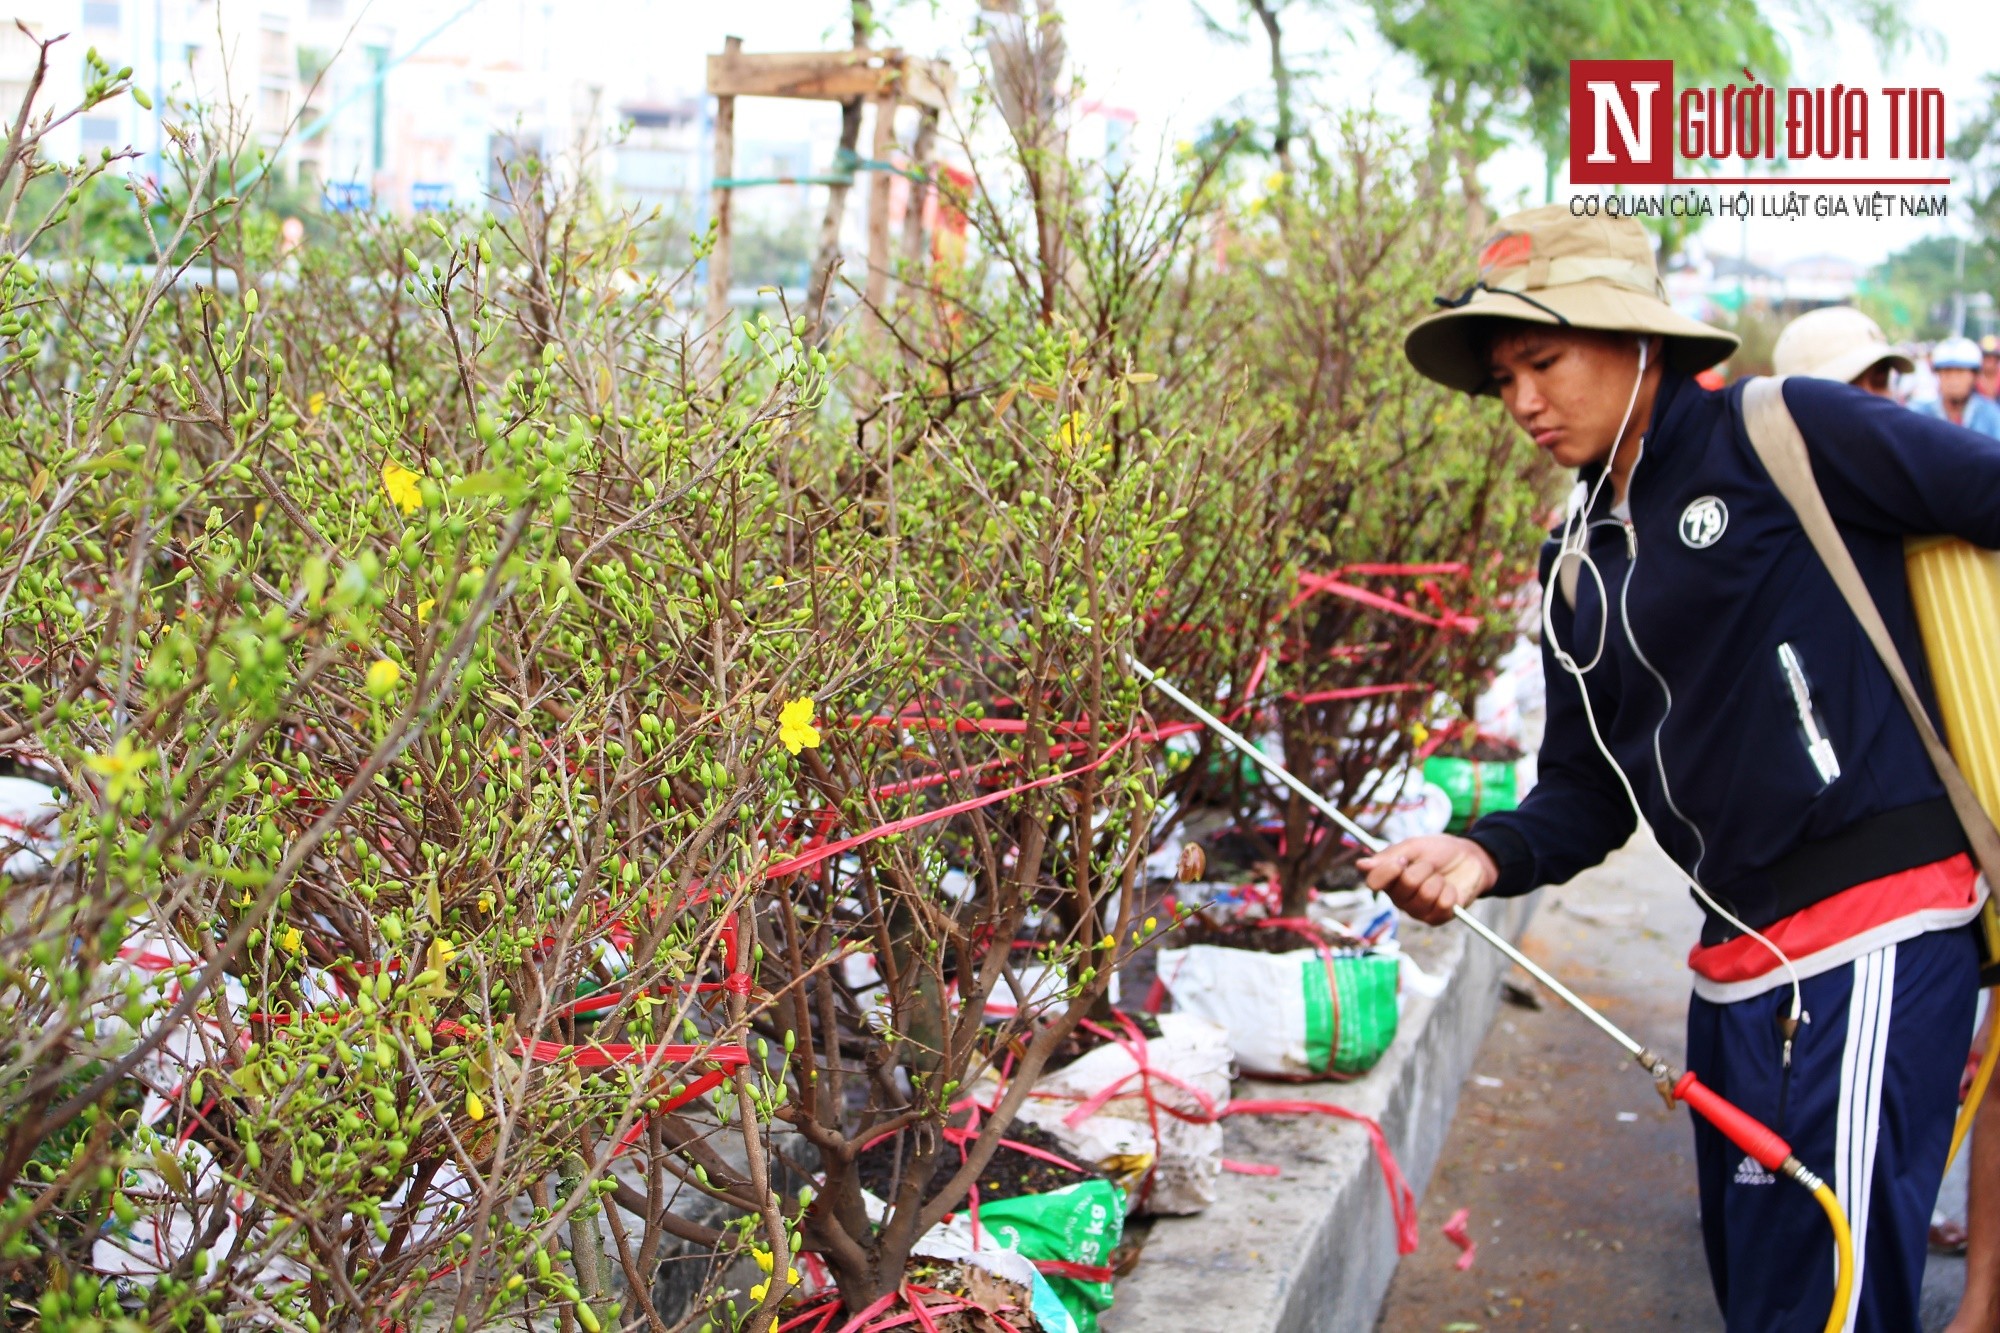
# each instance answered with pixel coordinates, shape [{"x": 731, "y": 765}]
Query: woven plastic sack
[
  {"x": 952, "y": 1241},
  {"x": 1283, "y": 1017},
  {"x": 1077, "y": 1225},
  {"x": 1476, "y": 787},
  {"x": 1152, "y": 1129},
  {"x": 956, "y": 1240}
]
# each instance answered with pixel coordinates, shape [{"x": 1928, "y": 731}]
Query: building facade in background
[{"x": 400, "y": 107}]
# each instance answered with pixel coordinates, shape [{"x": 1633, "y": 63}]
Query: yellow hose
[
  {"x": 1980, "y": 1079},
  {"x": 1843, "y": 1243}
]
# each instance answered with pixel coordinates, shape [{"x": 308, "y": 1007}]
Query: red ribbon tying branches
[
  {"x": 807, "y": 860},
  {"x": 1313, "y": 584},
  {"x": 1351, "y": 692},
  {"x": 1458, "y": 567}
]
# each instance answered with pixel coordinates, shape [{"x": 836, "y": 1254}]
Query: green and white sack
[
  {"x": 1476, "y": 787},
  {"x": 1077, "y": 1224},
  {"x": 1283, "y": 1016}
]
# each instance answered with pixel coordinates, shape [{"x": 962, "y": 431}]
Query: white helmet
[
  {"x": 1834, "y": 343},
  {"x": 1955, "y": 354}
]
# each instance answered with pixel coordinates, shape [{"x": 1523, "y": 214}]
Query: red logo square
[{"x": 1621, "y": 129}]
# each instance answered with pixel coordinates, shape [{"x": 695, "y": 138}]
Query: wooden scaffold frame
[{"x": 885, "y": 80}]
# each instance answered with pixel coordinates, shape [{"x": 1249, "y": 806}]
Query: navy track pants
[{"x": 1867, "y": 1104}]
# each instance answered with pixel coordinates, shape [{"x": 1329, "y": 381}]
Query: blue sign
[
  {"x": 430, "y": 196},
  {"x": 347, "y": 196}
]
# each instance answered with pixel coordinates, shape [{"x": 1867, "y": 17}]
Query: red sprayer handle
[{"x": 1741, "y": 1129}]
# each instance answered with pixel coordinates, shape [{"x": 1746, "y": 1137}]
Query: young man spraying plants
[{"x": 1705, "y": 671}]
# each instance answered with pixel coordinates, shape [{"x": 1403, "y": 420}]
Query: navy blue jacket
[{"x": 1716, "y": 573}]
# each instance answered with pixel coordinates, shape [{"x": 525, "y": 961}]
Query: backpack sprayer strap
[{"x": 1782, "y": 450}]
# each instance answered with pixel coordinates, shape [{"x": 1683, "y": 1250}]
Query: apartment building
[{"x": 397, "y": 106}]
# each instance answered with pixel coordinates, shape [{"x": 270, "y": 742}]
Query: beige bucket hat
[
  {"x": 1544, "y": 266},
  {"x": 1835, "y": 342}
]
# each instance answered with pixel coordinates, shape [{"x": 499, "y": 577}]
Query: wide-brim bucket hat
[
  {"x": 1544, "y": 266},
  {"x": 1835, "y": 342}
]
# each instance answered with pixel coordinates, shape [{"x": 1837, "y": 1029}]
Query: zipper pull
[
  {"x": 1819, "y": 747},
  {"x": 1789, "y": 1028}
]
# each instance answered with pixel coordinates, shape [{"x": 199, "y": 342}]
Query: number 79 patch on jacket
[{"x": 1704, "y": 521}]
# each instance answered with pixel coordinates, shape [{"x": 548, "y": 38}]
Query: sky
[{"x": 1154, "y": 58}]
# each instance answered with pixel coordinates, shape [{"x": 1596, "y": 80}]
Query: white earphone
[{"x": 1574, "y": 543}]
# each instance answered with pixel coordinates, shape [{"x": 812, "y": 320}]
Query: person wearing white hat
[
  {"x": 1956, "y": 361},
  {"x": 1839, "y": 343}
]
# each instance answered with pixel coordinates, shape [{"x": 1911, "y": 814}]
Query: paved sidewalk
[{"x": 1579, "y": 1183}]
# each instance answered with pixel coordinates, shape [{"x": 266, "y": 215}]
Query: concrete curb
[{"x": 1314, "y": 1249}]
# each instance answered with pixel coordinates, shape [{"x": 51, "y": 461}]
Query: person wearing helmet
[
  {"x": 1956, "y": 362},
  {"x": 1839, "y": 343},
  {"x": 1705, "y": 672},
  {"x": 1988, "y": 382}
]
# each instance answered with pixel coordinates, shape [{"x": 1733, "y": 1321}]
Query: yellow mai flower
[
  {"x": 290, "y": 940},
  {"x": 315, "y": 403},
  {"x": 757, "y": 1292},
  {"x": 383, "y": 676},
  {"x": 401, "y": 484},
  {"x": 473, "y": 1106},
  {"x": 795, "y": 726},
  {"x": 763, "y": 1258},
  {"x": 120, "y": 768},
  {"x": 1074, "y": 431},
  {"x": 424, "y": 610}
]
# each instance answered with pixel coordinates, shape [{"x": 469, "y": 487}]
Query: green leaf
[{"x": 503, "y": 483}]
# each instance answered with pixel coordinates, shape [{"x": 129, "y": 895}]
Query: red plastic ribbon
[
  {"x": 1311, "y": 584},
  {"x": 1455, "y": 1232},
  {"x": 1350, "y": 692},
  {"x": 1252, "y": 1168},
  {"x": 1443, "y": 567},
  {"x": 881, "y": 1316},
  {"x": 807, "y": 860},
  {"x": 1402, "y": 1199}
]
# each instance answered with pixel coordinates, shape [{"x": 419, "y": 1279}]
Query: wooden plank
[
  {"x": 920, "y": 192},
  {"x": 930, "y": 84},
  {"x": 831, "y": 76},
  {"x": 879, "y": 183},
  {"x": 720, "y": 201}
]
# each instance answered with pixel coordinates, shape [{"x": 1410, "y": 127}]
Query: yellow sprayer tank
[{"x": 1956, "y": 588}]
